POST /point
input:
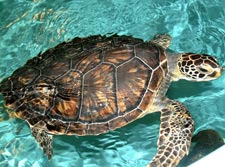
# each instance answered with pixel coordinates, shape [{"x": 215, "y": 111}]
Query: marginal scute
[
  {"x": 117, "y": 122},
  {"x": 125, "y": 41},
  {"x": 41, "y": 60},
  {"x": 149, "y": 54},
  {"x": 133, "y": 115},
  {"x": 96, "y": 128},
  {"x": 55, "y": 126},
  {"x": 77, "y": 128},
  {"x": 156, "y": 79},
  {"x": 147, "y": 101},
  {"x": 164, "y": 67}
]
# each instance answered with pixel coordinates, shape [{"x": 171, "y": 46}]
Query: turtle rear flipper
[
  {"x": 175, "y": 135},
  {"x": 43, "y": 138}
]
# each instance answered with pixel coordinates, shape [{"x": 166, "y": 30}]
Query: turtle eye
[{"x": 203, "y": 70}]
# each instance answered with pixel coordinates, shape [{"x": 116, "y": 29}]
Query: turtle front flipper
[
  {"x": 162, "y": 40},
  {"x": 43, "y": 138},
  {"x": 175, "y": 135}
]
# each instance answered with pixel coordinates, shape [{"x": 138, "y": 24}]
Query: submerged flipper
[
  {"x": 174, "y": 137},
  {"x": 44, "y": 139}
]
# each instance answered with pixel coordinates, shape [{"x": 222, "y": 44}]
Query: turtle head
[{"x": 198, "y": 67}]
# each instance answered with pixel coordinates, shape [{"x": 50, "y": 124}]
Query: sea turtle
[{"x": 92, "y": 85}]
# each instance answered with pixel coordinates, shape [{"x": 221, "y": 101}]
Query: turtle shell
[{"x": 88, "y": 85}]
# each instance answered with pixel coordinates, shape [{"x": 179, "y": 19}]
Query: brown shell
[{"x": 88, "y": 85}]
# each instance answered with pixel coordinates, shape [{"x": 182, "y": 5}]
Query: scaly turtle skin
[{"x": 89, "y": 86}]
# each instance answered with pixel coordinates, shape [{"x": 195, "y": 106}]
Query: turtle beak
[
  {"x": 219, "y": 73},
  {"x": 222, "y": 69}
]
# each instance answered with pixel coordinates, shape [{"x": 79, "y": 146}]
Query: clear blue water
[{"x": 29, "y": 27}]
